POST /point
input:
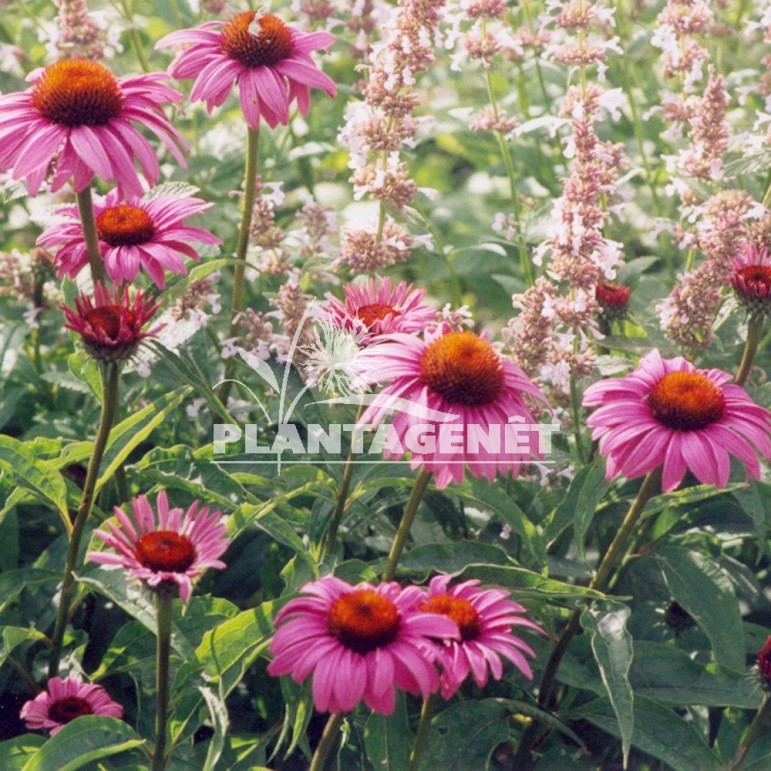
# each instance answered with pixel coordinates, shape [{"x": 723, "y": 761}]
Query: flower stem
[
  {"x": 110, "y": 377},
  {"x": 90, "y": 235},
  {"x": 761, "y": 719},
  {"x": 421, "y": 483},
  {"x": 650, "y": 484},
  {"x": 337, "y": 514},
  {"x": 328, "y": 739},
  {"x": 754, "y": 333},
  {"x": 237, "y": 303},
  {"x": 165, "y": 595},
  {"x": 424, "y": 726}
]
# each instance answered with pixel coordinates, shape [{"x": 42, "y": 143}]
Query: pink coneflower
[
  {"x": 485, "y": 618},
  {"x": 377, "y": 308},
  {"x": 64, "y": 701},
  {"x": 77, "y": 121},
  {"x": 455, "y": 384},
  {"x": 170, "y": 546},
  {"x": 358, "y": 642},
  {"x": 110, "y": 324},
  {"x": 133, "y": 234},
  {"x": 751, "y": 279},
  {"x": 268, "y": 59},
  {"x": 668, "y": 413}
]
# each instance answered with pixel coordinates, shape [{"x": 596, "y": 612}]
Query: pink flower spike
[
  {"x": 376, "y": 308},
  {"x": 148, "y": 234},
  {"x": 65, "y": 700},
  {"x": 78, "y": 119},
  {"x": 268, "y": 59},
  {"x": 668, "y": 413},
  {"x": 454, "y": 390},
  {"x": 485, "y": 618},
  {"x": 163, "y": 545},
  {"x": 358, "y": 642}
]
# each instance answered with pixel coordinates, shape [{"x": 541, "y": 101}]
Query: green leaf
[
  {"x": 85, "y": 368},
  {"x": 564, "y": 514},
  {"x": 38, "y": 476},
  {"x": 14, "y": 582},
  {"x": 298, "y": 705},
  {"x": 658, "y": 730},
  {"x": 82, "y": 741},
  {"x": 229, "y": 649},
  {"x": 218, "y": 713},
  {"x": 131, "y": 432},
  {"x": 450, "y": 557},
  {"x": 668, "y": 674},
  {"x": 590, "y": 494},
  {"x": 464, "y": 736},
  {"x": 758, "y": 507},
  {"x": 15, "y": 753},
  {"x": 613, "y": 651},
  {"x": 13, "y": 636},
  {"x": 388, "y": 739},
  {"x": 706, "y": 592}
]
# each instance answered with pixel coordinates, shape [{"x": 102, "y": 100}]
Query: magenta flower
[
  {"x": 110, "y": 324},
  {"x": 485, "y": 618},
  {"x": 358, "y": 642},
  {"x": 268, "y": 59},
  {"x": 751, "y": 279},
  {"x": 377, "y": 308},
  {"x": 77, "y": 121},
  {"x": 460, "y": 404},
  {"x": 170, "y": 546},
  {"x": 667, "y": 413},
  {"x": 64, "y": 701},
  {"x": 133, "y": 234}
]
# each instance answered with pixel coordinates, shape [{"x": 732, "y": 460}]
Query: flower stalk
[
  {"x": 91, "y": 235},
  {"x": 424, "y": 727},
  {"x": 761, "y": 720},
  {"x": 421, "y": 483},
  {"x": 754, "y": 334},
  {"x": 110, "y": 380},
  {"x": 165, "y": 601},
  {"x": 328, "y": 739}
]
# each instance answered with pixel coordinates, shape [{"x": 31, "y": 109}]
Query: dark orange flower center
[
  {"x": 271, "y": 43},
  {"x": 459, "y": 610},
  {"x": 107, "y": 318},
  {"x": 64, "y": 710},
  {"x": 125, "y": 226},
  {"x": 755, "y": 280},
  {"x": 463, "y": 368},
  {"x": 165, "y": 550},
  {"x": 615, "y": 295},
  {"x": 77, "y": 92},
  {"x": 369, "y": 314},
  {"x": 686, "y": 401},
  {"x": 364, "y": 620}
]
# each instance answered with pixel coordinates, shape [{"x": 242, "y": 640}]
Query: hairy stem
[
  {"x": 424, "y": 726},
  {"x": 90, "y": 235},
  {"x": 754, "y": 333},
  {"x": 328, "y": 739},
  {"x": 165, "y": 601}
]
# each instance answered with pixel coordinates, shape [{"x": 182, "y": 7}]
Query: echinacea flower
[
  {"x": 764, "y": 664},
  {"x": 358, "y": 641},
  {"x": 64, "y": 700},
  {"x": 164, "y": 546},
  {"x": 668, "y": 413},
  {"x": 110, "y": 324},
  {"x": 751, "y": 279},
  {"x": 133, "y": 233},
  {"x": 268, "y": 59},
  {"x": 613, "y": 299},
  {"x": 485, "y": 618},
  {"x": 459, "y": 404},
  {"x": 78, "y": 120},
  {"x": 377, "y": 308}
]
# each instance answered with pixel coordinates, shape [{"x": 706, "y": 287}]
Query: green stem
[
  {"x": 650, "y": 484},
  {"x": 250, "y": 193},
  {"x": 424, "y": 727},
  {"x": 90, "y": 235},
  {"x": 574, "y": 411},
  {"x": 421, "y": 483},
  {"x": 337, "y": 514},
  {"x": 110, "y": 377},
  {"x": 754, "y": 333},
  {"x": 761, "y": 719},
  {"x": 165, "y": 597},
  {"x": 328, "y": 739}
]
